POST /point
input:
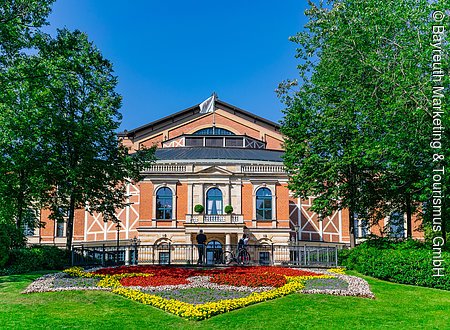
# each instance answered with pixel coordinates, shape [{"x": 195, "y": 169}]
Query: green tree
[
  {"x": 21, "y": 159},
  {"x": 86, "y": 165},
  {"x": 19, "y": 22},
  {"x": 358, "y": 127}
]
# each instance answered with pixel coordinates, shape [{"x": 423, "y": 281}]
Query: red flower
[
  {"x": 152, "y": 281},
  {"x": 250, "y": 279},
  {"x": 236, "y": 276}
]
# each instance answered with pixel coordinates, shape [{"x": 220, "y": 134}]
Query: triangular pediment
[
  {"x": 172, "y": 129},
  {"x": 192, "y": 113},
  {"x": 214, "y": 170}
]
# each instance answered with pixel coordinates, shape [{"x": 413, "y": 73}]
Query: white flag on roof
[{"x": 208, "y": 104}]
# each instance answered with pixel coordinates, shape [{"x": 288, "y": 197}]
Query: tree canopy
[
  {"x": 59, "y": 113},
  {"x": 358, "y": 127}
]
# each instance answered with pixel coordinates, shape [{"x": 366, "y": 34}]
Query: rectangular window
[
  {"x": 361, "y": 227},
  {"x": 194, "y": 142},
  {"x": 28, "y": 230},
  {"x": 397, "y": 225},
  {"x": 233, "y": 142},
  {"x": 121, "y": 256},
  {"x": 30, "y": 221},
  {"x": 164, "y": 258},
  {"x": 213, "y": 142},
  {"x": 59, "y": 229}
]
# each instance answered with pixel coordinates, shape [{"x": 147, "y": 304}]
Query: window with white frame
[
  {"x": 164, "y": 199},
  {"x": 263, "y": 204},
  {"x": 60, "y": 223},
  {"x": 30, "y": 221},
  {"x": 214, "y": 201},
  {"x": 60, "y": 228},
  {"x": 361, "y": 226},
  {"x": 396, "y": 225},
  {"x": 28, "y": 230}
]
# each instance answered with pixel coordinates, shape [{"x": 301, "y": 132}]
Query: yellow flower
[
  {"x": 337, "y": 271},
  {"x": 206, "y": 310}
]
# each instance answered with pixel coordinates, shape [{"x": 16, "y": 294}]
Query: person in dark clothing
[
  {"x": 201, "y": 240},
  {"x": 243, "y": 242},
  {"x": 241, "y": 250}
]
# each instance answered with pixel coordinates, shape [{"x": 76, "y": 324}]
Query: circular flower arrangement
[{"x": 198, "y": 294}]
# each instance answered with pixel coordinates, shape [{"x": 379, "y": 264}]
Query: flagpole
[
  {"x": 208, "y": 105},
  {"x": 214, "y": 112}
]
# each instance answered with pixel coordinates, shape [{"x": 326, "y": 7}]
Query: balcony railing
[
  {"x": 263, "y": 169},
  {"x": 177, "y": 168},
  {"x": 165, "y": 168},
  {"x": 214, "y": 218}
]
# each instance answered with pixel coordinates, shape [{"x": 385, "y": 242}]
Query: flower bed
[
  {"x": 198, "y": 294},
  {"x": 250, "y": 279},
  {"x": 326, "y": 284},
  {"x": 152, "y": 281}
]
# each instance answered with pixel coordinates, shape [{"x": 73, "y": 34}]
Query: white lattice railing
[
  {"x": 214, "y": 218},
  {"x": 263, "y": 169},
  {"x": 192, "y": 218},
  {"x": 237, "y": 218},
  {"x": 162, "y": 168}
]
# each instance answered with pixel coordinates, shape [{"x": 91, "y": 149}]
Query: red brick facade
[{"x": 238, "y": 181}]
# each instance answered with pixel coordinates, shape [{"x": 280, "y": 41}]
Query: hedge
[
  {"x": 407, "y": 262},
  {"x": 10, "y": 238},
  {"x": 35, "y": 258}
]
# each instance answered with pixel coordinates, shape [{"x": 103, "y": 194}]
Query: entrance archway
[{"x": 214, "y": 253}]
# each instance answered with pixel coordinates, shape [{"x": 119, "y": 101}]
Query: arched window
[
  {"x": 164, "y": 203},
  {"x": 213, "y": 131},
  {"x": 214, "y": 201},
  {"x": 263, "y": 204}
]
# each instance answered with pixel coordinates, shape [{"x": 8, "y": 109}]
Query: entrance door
[{"x": 214, "y": 253}]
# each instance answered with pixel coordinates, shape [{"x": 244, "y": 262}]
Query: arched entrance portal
[{"x": 214, "y": 253}]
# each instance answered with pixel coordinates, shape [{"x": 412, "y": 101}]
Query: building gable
[{"x": 188, "y": 121}]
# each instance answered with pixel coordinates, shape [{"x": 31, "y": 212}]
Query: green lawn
[{"x": 396, "y": 307}]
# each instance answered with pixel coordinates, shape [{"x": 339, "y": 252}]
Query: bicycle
[{"x": 243, "y": 257}]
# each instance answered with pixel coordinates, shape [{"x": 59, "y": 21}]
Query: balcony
[
  {"x": 224, "y": 141},
  {"x": 214, "y": 218}
]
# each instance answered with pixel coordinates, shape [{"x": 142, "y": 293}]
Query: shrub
[
  {"x": 228, "y": 209},
  {"x": 37, "y": 258},
  {"x": 5, "y": 244},
  {"x": 406, "y": 262},
  {"x": 199, "y": 208},
  {"x": 10, "y": 237}
]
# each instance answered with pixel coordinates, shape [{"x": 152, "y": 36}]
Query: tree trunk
[
  {"x": 20, "y": 200},
  {"x": 69, "y": 232},
  {"x": 351, "y": 227},
  {"x": 408, "y": 216}
]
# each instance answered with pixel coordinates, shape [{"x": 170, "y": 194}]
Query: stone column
[
  {"x": 127, "y": 256},
  {"x": 227, "y": 242}
]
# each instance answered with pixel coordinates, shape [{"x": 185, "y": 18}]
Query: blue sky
[{"x": 170, "y": 55}]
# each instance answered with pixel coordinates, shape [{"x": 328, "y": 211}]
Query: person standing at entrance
[
  {"x": 242, "y": 253},
  {"x": 243, "y": 242},
  {"x": 201, "y": 240}
]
